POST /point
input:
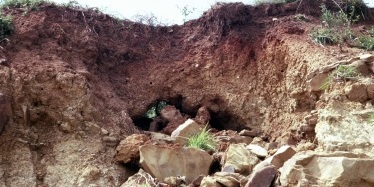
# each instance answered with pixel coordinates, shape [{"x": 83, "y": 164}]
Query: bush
[
  {"x": 29, "y": 4},
  {"x": 203, "y": 140},
  {"x": 336, "y": 27},
  {"x": 366, "y": 42},
  {"x": 6, "y": 27}
]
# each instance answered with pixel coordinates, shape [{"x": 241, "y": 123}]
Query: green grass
[
  {"x": 341, "y": 73},
  {"x": 203, "y": 140}
]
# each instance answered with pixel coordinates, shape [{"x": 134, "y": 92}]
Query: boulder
[
  {"x": 356, "y": 92},
  {"x": 184, "y": 131},
  {"x": 5, "y": 111},
  {"x": 241, "y": 158},
  {"x": 250, "y": 133},
  {"x": 140, "y": 179},
  {"x": 367, "y": 57},
  {"x": 224, "y": 179},
  {"x": 345, "y": 127},
  {"x": 128, "y": 149},
  {"x": 370, "y": 90},
  {"x": 328, "y": 169},
  {"x": 282, "y": 155},
  {"x": 172, "y": 117},
  {"x": 202, "y": 117},
  {"x": 262, "y": 176},
  {"x": 257, "y": 150},
  {"x": 162, "y": 162}
]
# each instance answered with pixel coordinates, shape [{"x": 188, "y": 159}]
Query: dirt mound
[{"x": 79, "y": 77}]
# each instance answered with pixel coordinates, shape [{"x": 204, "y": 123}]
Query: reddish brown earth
[{"x": 72, "y": 73}]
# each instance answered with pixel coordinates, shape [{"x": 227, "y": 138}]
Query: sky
[{"x": 167, "y": 11}]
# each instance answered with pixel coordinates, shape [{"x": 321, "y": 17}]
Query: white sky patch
[{"x": 166, "y": 11}]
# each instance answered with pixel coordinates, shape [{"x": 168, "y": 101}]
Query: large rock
[
  {"x": 323, "y": 169},
  {"x": 224, "y": 179},
  {"x": 202, "y": 117},
  {"x": 172, "y": 117},
  {"x": 356, "y": 92},
  {"x": 184, "y": 131},
  {"x": 345, "y": 127},
  {"x": 262, "y": 176},
  {"x": 128, "y": 149},
  {"x": 162, "y": 162},
  {"x": 139, "y": 179},
  {"x": 4, "y": 111},
  {"x": 240, "y": 158},
  {"x": 282, "y": 155}
]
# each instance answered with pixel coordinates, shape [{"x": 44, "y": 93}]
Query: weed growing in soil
[
  {"x": 203, "y": 140},
  {"x": 336, "y": 27},
  {"x": 366, "y": 42},
  {"x": 6, "y": 27},
  {"x": 341, "y": 73}
]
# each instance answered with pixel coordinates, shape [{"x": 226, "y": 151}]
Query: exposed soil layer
[{"x": 78, "y": 76}]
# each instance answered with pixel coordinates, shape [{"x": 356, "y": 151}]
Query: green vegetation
[
  {"x": 336, "y": 27},
  {"x": 259, "y": 2},
  {"x": 155, "y": 109},
  {"x": 6, "y": 27},
  {"x": 203, "y": 140},
  {"x": 186, "y": 11},
  {"x": 29, "y": 4},
  {"x": 341, "y": 73}
]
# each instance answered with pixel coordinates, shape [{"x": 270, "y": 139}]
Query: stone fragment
[
  {"x": 202, "y": 117},
  {"x": 104, "y": 131},
  {"x": 282, "y": 155},
  {"x": 172, "y": 117},
  {"x": 328, "y": 169},
  {"x": 128, "y": 149},
  {"x": 210, "y": 181},
  {"x": 367, "y": 57},
  {"x": 250, "y": 133},
  {"x": 356, "y": 92},
  {"x": 65, "y": 127},
  {"x": 311, "y": 119},
  {"x": 139, "y": 179},
  {"x": 197, "y": 180},
  {"x": 262, "y": 176},
  {"x": 370, "y": 90},
  {"x": 184, "y": 131},
  {"x": 110, "y": 140},
  {"x": 161, "y": 138},
  {"x": 257, "y": 150},
  {"x": 360, "y": 67},
  {"x": 241, "y": 158},
  {"x": 175, "y": 181},
  {"x": 162, "y": 162}
]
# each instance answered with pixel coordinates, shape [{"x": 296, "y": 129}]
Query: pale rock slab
[
  {"x": 162, "y": 162},
  {"x": 241, "y": 158},
  {"x": 184, "y": 131},
  {"x": 328, "y": 169},
  {"x": 282, "y": 155}
]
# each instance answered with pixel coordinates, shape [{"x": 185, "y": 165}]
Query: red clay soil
[{"x": 235, "y": 59}]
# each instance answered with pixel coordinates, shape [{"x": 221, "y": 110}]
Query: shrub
[
  {"x": 341, "y": 73},
  {"x": 29, "y": 4},
  {"x": 336, "y": 27},
  {"x": 203, "y": 140},
  {"x": 6, "y": 27},
  {"x": 366, "y": 42}
]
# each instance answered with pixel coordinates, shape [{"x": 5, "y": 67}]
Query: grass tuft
[
  {"x": 203, "y": 140},
  {"x": 341, "y": 73}
]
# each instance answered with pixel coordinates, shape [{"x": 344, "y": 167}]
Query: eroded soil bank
[{"x": 77, "y": 80}]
